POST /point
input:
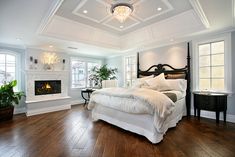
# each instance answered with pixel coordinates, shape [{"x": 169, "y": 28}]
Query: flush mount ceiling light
[{"x": 121, "y": 11}]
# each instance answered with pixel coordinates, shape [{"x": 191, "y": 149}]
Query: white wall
[
  {"x": 117, "y": 62},
  {"x": 174, "y": 55}
]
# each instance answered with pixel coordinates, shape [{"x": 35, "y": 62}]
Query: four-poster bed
[{"x": 145, "y": 111}]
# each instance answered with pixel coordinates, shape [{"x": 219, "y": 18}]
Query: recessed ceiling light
[
  {"x": 85, "y": 11},
  {"x": 159, "y": 8},
  {"x": 51, "y": 46},
  {"x": 121, "y": 26}
]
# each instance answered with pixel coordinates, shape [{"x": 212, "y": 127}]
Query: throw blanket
[{"x": 161, "y": 105}]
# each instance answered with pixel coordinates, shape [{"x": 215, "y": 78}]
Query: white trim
[
  {"x": 47, "y": 19},
  {"x": 47, "y": 110},
  {"x": 199, "y": 11},
  {"x": 50, "y": 99},
  {"x": 77, "y": 102},
  {"x": 123, "y": 29},
  {"x": 166, "y": 2},
  {"x": 19, "y": 110},
  {"x": 82, "y": 3},
  {"x": 211, "y": 115}
]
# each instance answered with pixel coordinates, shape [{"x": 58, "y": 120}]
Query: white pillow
[
  {"x": 177, "y": 84},
  {"x": 158, "y": 83},
  {"x": 141, "y": 81}
]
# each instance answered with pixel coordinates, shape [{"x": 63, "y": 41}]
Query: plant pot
[{"x": 6, "y": 113}]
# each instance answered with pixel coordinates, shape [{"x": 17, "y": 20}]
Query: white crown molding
[
  {"x": 198, "y": 9},
  {"x": 51, "y": 12}
]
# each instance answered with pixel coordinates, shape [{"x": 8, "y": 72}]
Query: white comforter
[{"x": 138, "y": 100}]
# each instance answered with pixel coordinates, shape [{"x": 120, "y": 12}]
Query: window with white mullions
[
  {"x": 211, "y": 65},
  {"x": 7, "y": 68},
  {"x": 80, "y": 72},
  {"x": 130, "y": 70}
]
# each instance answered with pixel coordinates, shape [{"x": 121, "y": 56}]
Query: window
[
  {"x": 211, "y": 66},
  {"x": 7, "y": 68},
  {"x": 130, "y": 70},
  {"x": 80, "y": 72}
]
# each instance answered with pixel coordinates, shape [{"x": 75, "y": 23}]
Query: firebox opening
[{"x": 44, "y": 87}]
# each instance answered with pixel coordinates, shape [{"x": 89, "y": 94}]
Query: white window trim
[
  {"x": 227, "y": 60},
  {"x": 18, "y": 66},
  {"x": 86, "y": 60},
  {"x": 124, "y": 65}
]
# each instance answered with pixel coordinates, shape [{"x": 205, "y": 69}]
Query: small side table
[
  {"x": 88, "y": 91},
  {"x": 211, "y": 102}
]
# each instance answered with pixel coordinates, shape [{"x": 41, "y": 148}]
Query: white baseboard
[
  {"x": 19, "y": 110},
  {"x": 47, "y": 110},
  {"x": 211, "y": 115},
  {"x": 76, "y": 102}
]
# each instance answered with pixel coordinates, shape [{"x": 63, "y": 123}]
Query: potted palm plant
[
  {"x": 103, "y": 73},
  {"x": 8, "y": 98}
]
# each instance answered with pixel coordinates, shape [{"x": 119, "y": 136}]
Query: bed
[{"x": 145, "y": 111}]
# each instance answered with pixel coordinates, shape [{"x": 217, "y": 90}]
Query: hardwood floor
[{"x": 71, "y": 133}]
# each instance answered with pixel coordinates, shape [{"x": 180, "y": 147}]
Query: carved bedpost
[
  {"x": 188, "y": 91},
  {"x": 138, "y": 65}
]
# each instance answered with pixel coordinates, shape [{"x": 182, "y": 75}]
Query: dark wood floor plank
[{"x": 71, "y": 133}]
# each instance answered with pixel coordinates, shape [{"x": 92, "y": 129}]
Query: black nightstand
[
  {"x": 88, "y": 91},
  {"x": 211, "y": 102}
]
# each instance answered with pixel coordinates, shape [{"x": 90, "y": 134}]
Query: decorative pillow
[
  {"x": 158, "y": 83},
  {"x": 141, "y": 81},
  {"x": 177, "y": 84},
  {"x": 175, "y": 76}
]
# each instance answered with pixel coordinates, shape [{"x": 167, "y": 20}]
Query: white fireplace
[{"x": 42, "y": 103}]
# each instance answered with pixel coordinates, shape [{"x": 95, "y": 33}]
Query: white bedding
[{"x": 137, "y": 101}]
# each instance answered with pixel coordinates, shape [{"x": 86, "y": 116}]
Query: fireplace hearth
[{"x": 44, "y": 87}]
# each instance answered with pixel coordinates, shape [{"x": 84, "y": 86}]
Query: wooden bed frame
[{"x": 167, "y": 69}]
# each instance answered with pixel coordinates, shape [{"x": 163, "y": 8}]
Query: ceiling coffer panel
[
  {"x": 155, "y": 8},
  {"x": 94, "y": 10},
  {"x": 115, "y": 24}
]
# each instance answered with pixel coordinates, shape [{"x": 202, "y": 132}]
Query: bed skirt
[{"x": 141, "y": 124}]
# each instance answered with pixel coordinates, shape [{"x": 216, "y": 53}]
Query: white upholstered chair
[{"x": 109, "y": 83}]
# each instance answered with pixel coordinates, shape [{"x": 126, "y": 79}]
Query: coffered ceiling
[
  {"x": 97, "y": 13},
  {"x": 87, "y": 27}
]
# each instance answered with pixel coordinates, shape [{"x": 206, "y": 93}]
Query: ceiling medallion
[{"x": 121, "y": 11}]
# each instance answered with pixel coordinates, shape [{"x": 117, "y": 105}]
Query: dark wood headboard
[{"x": 167, "y": 69}]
